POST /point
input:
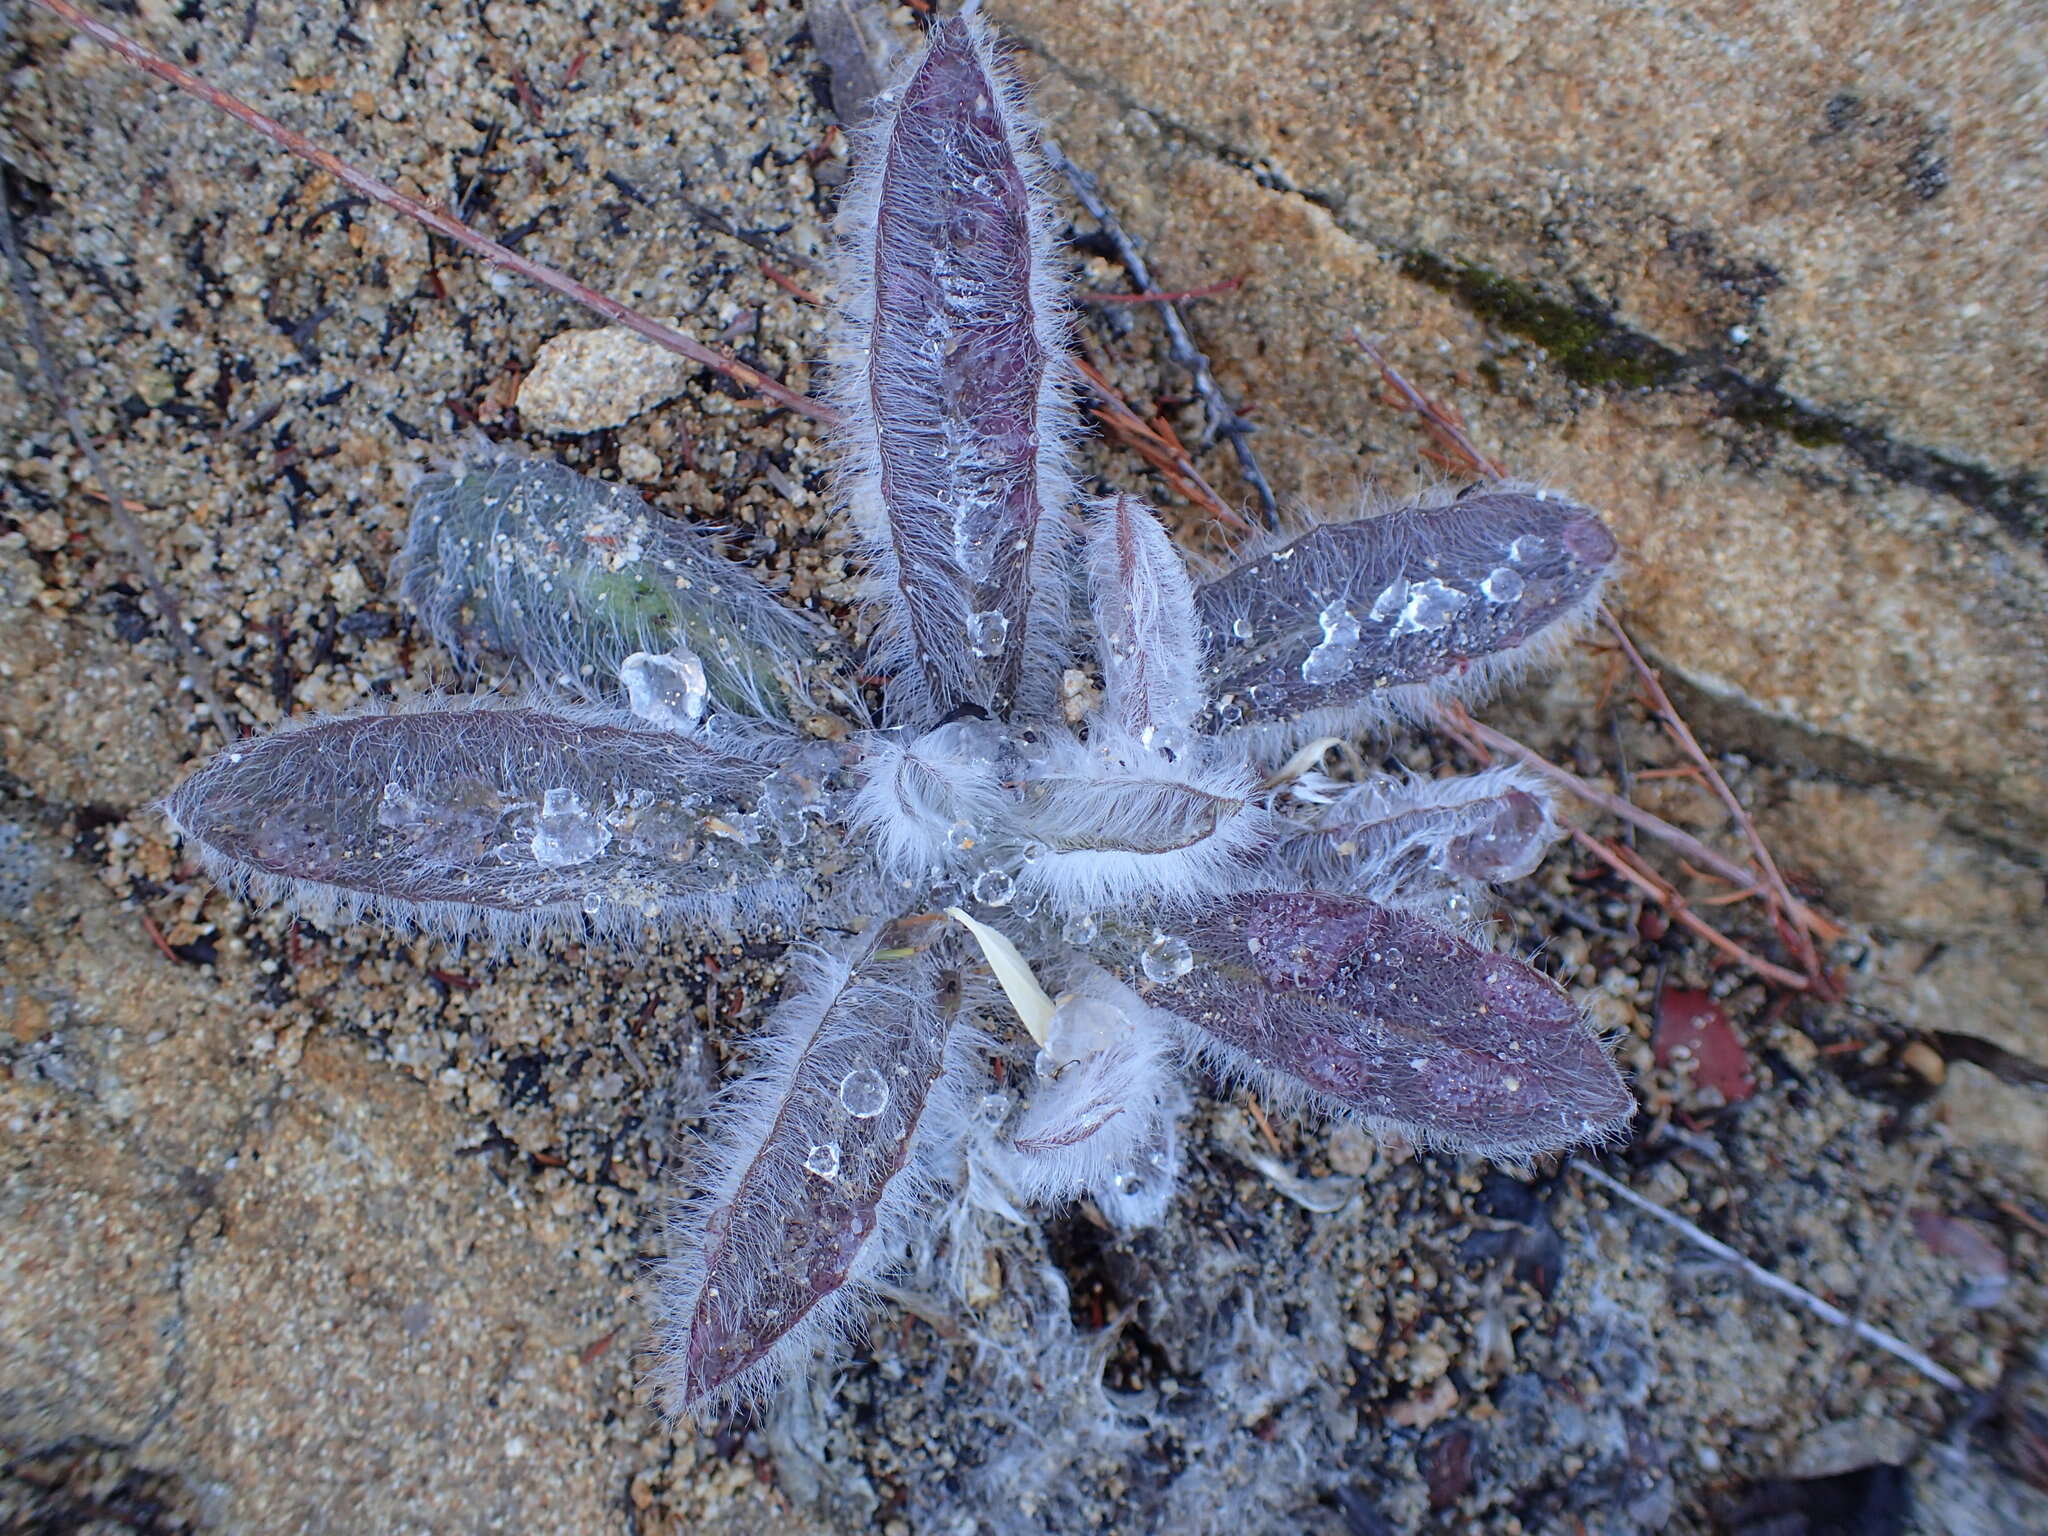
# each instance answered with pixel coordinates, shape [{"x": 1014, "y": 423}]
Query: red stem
[{"x": 441, "y": 223}]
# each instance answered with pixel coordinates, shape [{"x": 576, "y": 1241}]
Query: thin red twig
[
  {"x": 1796, "y": 923},
  {"x": 443, "y": 224},
  {"x": 1666, "y": 895},
  {"x": 1434, "y": 417},
  {"x": 1673, "y": 722},
  {"x": 788, "y": 284},
  {"x": 156, "y": 937},
  {"x": 1163, "y": 452}
]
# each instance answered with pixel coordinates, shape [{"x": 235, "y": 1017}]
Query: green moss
[
  {"x": 1777, "y": 412},
  {"x": 1583, "y": 339}
]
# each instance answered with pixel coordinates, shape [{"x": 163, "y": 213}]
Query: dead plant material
[
  {"x": 439, "y": 221},
  {"x": 1160, "y": 449},
  {"x": 1796, "y": 923}
]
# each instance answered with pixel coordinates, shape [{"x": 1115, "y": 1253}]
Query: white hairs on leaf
[
  {"x": 1119, "y": 821},
  {"x": 1099, "y": 1117},
  {"x": 949, "y": 364},
  {"x": 1402, "y": 839},
  {"x": 819, "y": 1168},
  {"x": 451, "y": 815},
  {"x": 1150, "y": 643}
]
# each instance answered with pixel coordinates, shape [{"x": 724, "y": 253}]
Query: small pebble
[{"x": 1925, "y": 1062}]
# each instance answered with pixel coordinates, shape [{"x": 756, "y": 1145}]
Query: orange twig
[
  {"x": 787, "y": 283},
  {"x": 156, "y": 937},
  {"x": 1162, "y": 453},
  {"x": 443, "y": 224},
  {"x": 1667, "y": 712},
  {"x": 1615, "y": 857},
  {"x": 1439, "y": 422},
  {"x": 1265, "y": 1125}
]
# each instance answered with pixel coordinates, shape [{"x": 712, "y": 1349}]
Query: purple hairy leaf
[
  {"x": 1150, "y": 644},
  {"x": 465, "y": 814},
  {"x": 1382, "y": 1013},
  {"x": 1354, "y": 621},
  {"x": 949, "y": 365},
  {"x": 1388, "y": 838},
  {"x": 571, "y": 576},
  {"x": 811, "y": 1186}
]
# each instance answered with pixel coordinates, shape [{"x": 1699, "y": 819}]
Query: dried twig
[
  {"x": 1825, "y": 1310},
  {"x": 1159, "y": 449},
  {"x": 1224, "y": 419},
  {"x": 786, "y": 283},
  {"x": 1479, "y": 738},
  {"x": 1674, "y": 723},
  {"x": 1617, "y": 858},
  {"x": 1436, "y": 420},
  {"x": 127, "y": 532},
  {"x": 1265, "y": 1125},
  {"x": 443, "y": 224},
  {"x": 1795, "y": 922},
  {"x": 1873, "y": 1273}
]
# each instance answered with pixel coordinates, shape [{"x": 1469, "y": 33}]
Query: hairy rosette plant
[{"x": 1158, "y": 875}]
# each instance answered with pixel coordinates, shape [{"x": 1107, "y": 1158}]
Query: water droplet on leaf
[
  {"x": 863, "y": 1093},
  {"x": 567, "y": 833},
  {"x": 1501, "y": 586},
  {"x": 988, "y": 632},
  {"x": 666, "y": 691},
  {"x": 823, "y": 1161},
  {"x": 1167, "y": 958}
]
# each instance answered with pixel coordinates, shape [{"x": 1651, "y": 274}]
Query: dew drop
[
  {"x": 1081, "y": 928},
  {"x": 567, "y": 834},
  {"x": 1083, "y": 1026},
  {"x": 1241, "y": 628},
  {"x": 1168, "y": 741},
  {"x": 1528, "y": 547},
  {"x": 994, "y": 887},
  {"x": 1502, "y": 585},
  {"x": 1393, "y": 597},
  {"x": 961, "y": 836},
  {"x": 1167, "y": 958},
  {"x": 666, "y": 691},
  {"x": 988, "y": 632},
  {"x": 1335, "y": 656},
  {"x": 397, "y": 808},
  {"x": 1430, "y": 606},
  {"x": 863, "y": 1093},
  {"x": 593, "y": 904},
  {"x": 823, "y": 1161}
]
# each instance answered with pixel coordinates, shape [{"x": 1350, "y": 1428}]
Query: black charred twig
[{"x": 1224, "y": 420}]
